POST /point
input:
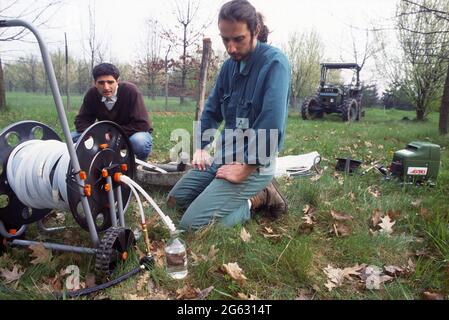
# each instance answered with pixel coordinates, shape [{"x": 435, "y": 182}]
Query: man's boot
[{"x": 271, "y": 200}]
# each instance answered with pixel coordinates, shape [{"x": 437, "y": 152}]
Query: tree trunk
[
  {"x": 2, "y": 88},
  {"x": 207, "y": 46},
  {"x": 420, "y": 112},
  {"x": 444, "y": 109}
]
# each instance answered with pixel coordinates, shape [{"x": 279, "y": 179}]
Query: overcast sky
[{"x": 120, "y": 23}]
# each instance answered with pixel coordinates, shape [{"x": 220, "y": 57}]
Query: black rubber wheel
[
  {"x": 114, "y": 247},
  {"x": 350, "y": 110},
  {"x": 309, "y": 109}
]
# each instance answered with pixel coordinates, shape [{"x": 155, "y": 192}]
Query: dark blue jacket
[{"x": 255, "y": 101}]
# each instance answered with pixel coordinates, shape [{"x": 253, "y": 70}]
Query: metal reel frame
[
  {"x": 15, "y": 214},
  {"x": 102, "y": 145}
]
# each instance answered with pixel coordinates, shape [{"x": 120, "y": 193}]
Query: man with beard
[{"x": 251, "y": 97}]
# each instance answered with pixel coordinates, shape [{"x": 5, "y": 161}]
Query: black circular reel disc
[
  {"x": 13, "y": 213},
  {"x": 114, "y": 247},
  {"x": 93, "y": 156}
]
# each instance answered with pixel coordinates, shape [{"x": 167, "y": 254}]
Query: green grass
[{"x": 279, "y": 267}]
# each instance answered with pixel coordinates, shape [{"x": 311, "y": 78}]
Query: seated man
[{"x": 120, "y": 102}]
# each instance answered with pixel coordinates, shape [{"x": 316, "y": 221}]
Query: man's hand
[
  {"x": 201, "y": 160},
  {"x": 236, "y": 172}
]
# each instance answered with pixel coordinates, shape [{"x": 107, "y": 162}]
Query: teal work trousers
[{"x": 207, "y": 199}]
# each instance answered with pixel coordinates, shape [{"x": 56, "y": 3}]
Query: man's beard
[{"x": 239, "y": 57}]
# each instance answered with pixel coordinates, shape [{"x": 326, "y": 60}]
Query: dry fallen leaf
[
  {"x": 341, "y": 230},
  {"x": 11, "y": 275},
  {"x": 187, "y": 293},
  {"x": 376, "y": 217},
  {"x": 305, "y": 294},
  {"x": 394, "y": 214},
  {"x": 235, "y": 272},
  {"x": 386, "y": 225},
  {"x": 205, "y": 292},
  {"x": 385, "y": 278},
  {"x": 212, "y": 255},
  {"x": 340, "y": 216},
  {"x": 394, "y": 271},
  {"x": 416, "y": 203},
  {"x": 246, "y": 296},
  {"x": 196, "y": 259},
  {"x": 336, "y": 276},
  {"x": 306, "y": 209},
  {"x": 307, "y": 225},
  {"x": 40, "y": 254},
  {"x": 269, "y": 230},
  {"x": 374, "y": 191},
  {"x": 244, "y": 235},
  {"x": 55, "y": 283},
  {"x": 428, "y": 295}
]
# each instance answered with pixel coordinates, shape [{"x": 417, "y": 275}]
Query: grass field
[{"x": 303, "y": 255}]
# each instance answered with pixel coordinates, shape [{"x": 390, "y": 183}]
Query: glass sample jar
[{"x": 176, "y": 258}]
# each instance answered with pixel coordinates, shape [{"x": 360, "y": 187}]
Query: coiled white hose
[{"x": 36, "y": 172}]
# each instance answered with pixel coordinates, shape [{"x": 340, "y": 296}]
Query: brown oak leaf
[{"x": 234, "y": 271}]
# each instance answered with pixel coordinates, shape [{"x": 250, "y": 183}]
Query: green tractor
[{"x": 331, "y": 98}]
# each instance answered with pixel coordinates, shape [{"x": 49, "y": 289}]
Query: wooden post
[
  {"x": 207, "y": 49},
  {"x": 2, "y": 88},
  {"x": 67, "y": 72}
]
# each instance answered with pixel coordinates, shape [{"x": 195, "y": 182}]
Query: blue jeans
[
  {"x": 142, "y": 143},
  {"x": 207, "y": 199}
]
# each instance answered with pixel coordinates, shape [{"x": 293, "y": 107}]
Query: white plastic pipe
[
  {"x": 136, "y": 195},
  {"x": 166, "y": 219},
  {"x": 150, "y": 166}
]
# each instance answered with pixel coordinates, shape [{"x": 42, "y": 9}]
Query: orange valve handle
[
  {"x": 117, "y": 177},
  {"x": 83, "y": 175}
]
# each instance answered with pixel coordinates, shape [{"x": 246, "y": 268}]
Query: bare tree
[
  {"x": 192, "y": 31},
  {"x": 150, "y": 63},
  {"x": 441, "y": 13},
  {"x": 37, "y": 12},
  {"x": 304, "y": 52},
  {"x": 95, "y": 44},
  {"x": 424, "y": 39}
]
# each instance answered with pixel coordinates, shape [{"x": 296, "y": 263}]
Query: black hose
[{"x": 145, "y": 263}]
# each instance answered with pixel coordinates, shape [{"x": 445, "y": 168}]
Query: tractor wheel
[
  {"x": 350, "y": 110},
  {"x": 309, "y": 109}
]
